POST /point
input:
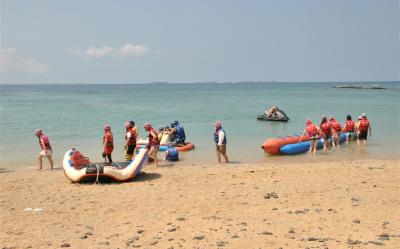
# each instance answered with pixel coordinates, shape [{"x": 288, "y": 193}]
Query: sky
[{"x": 121, "y": 41}]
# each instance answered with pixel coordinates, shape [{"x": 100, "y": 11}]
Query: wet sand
[{"x": 349, "y": 204}]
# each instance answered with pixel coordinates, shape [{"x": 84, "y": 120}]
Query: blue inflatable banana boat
[{"x": 302, "y": 147}]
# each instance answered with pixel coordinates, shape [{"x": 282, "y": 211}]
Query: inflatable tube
[
  {"x": 292, "y": 149},
  {"x": 273, "y": 145},
  {"x": 128, "y": 171},
  {"x": 188, "y": 146}
]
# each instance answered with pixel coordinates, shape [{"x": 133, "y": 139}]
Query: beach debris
[
  {"x": 355, "y": 199},
  {"x": 291, "y": 230},
  {"x": 383, "y": 236},
  {"x": 171, "y": 229},
  {"x": 377, "y": 243},
  {"x": 312, "y": 239},
  {"x": 106, "y": 243},
  {"x": 154, "y": 242},
  {"x": 28, "y": 209},
  {"x": 180, "y": 218},
  {"x": 140, "y": 231},
  {"x": 353, "y": 242},
  {"x": 271, "y": 194},
  {"x": 83, "y": 236},
  {"x": 299, "y": 212},
  {"x": 198, "y": 237},
  {"x": 221, "y": 243},
  {"x": 38, "y": 210},
  {"x": 266, "y": 233},
  {"x": 356, "y": 221},
  {"x": 235, "y": 236},
  {"x": 65, "y": 244}
]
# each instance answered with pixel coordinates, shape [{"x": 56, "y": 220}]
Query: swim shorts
[
  {"x": 222, "y": 149},
  {"x": 45, "y": 153},
  {"x": 363, "y": 135}
]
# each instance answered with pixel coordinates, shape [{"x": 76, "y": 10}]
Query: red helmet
[
  {"x": 128, "y": 125},
  {"x": 147, "y": 126},
  {"x": 107, "y": 127},
  {"x": 38, "y": 132}
]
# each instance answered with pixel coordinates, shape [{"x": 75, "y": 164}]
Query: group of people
[{"x": 331, "y": 129}]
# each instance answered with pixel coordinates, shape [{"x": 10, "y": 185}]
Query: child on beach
[
  {"x": 220, "y": 141},
  {"x": 108, "y": 144},
  {"x": 46, "y": 151},
  {"x": 154, "y": 142}
]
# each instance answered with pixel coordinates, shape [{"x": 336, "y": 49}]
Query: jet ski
[{"x": 278, "y": 115}]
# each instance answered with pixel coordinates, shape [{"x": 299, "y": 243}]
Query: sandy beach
[{"x": 297, "y": 205}]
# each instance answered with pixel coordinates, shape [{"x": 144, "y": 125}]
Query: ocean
[{"x": 73, "y": 115}]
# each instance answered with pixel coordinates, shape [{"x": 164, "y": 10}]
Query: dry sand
[{"x": 313, "y": 205}]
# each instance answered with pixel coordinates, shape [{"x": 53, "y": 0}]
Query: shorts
[
  {"x": 327, "y": 137},
  {"x": 350, "y": 133},
  {"x": 45, "y": 153},
  {"x": 314, "y": 137},
  {"x": 221, "y": 149},
  {"x": 130, "y": 149},
  {"x": 363, "y": 135}
]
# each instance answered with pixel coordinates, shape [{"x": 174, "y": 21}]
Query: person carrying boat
[
  {"x": 312, "y": 131},
  {"x": 336, "y": 129},
  {"x": 326, "y": 132},
  {"x": 108, "y": 144},
  {"x": 349, "y": 128},
  {"x": 130, "y": 141},
  {"x": 363, "y": 126},
  {"x": 220, "y": 142},
  {"x": 153, "y": 143},
  {"x": 178, "y": 132},
  {"x": 46, "y": 150}
]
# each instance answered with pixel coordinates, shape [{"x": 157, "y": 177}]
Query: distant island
[{"x": 360, "y": 86}]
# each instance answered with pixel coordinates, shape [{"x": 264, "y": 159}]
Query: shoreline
[{"x": 318, "y": 204}]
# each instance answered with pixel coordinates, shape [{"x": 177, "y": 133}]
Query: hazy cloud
[
  {"x": 10, "y": 61},
  {"x": 127, "y": 50}
]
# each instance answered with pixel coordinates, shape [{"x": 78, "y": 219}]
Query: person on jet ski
[
  {"x": 273, "y": 112},
  {"x": 178, "y": 132}
]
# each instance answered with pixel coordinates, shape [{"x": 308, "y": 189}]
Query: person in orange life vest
[
  {"x": 336, "y": 129},
  {"x": 46, "y": 150},
  {"x": 312, "y": 131},
  {"x": 349, "y": 127},
  {"x": 108, "y": 144},
  {"x": 326, "y": 132},
  {"x": 363, "y": 126},
  {"x": 130, "y": 141},
  {"x": 220, "y": 141},
  {"x": 154, "y": 143}
]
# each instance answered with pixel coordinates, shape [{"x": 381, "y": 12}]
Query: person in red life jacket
[
  {"x": 220, "y": 141},
  {"x": 326, "y": 132},
  {"x": 46, "y": 150},
  {"x": 108, "y": 144},
  {"x": 336, "y": 129},
  {"x": 130, "y": 141},
  {"x": 349, "y": 127},
  {"x": 312, "y": 131},
  {"x": 363, "y": 126},
  {"x": 154, "y": 143}
]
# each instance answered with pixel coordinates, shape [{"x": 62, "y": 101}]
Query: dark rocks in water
[{"x": 360, "y": 86}]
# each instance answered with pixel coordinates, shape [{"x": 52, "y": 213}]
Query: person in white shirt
[{"x": 220, "y": 141}]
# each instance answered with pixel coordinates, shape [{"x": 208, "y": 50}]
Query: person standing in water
[
  {"x": 108, "y": 144},
  {"x": 363, "y": 126},
  {"x": 312, "y": 131},
  {"x": 154, "y": 142},
  {"x": 336, "y": 129},
  {"x": 220, "y": 142},
  {"x": 46, "y": 150},
  {"x": 130, "y": 141},
  {"x": 326, "y": 131},
  {"x": 349, "y": 128}
]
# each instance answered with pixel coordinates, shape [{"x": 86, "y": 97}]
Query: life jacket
[
  {"x": 180, "y": 133},
  {"x": 132, "y": 139},
  {"x": 336, "y": 126},
  {"x": 350, "y": 125},
  {"x": 172, "y": 154},
  {"x": 78, "y": 160},
  {"x": 46, "y": 142},
  {"x": 153, "y": 140},
  {"x": 364, "y": 124},
  {"x": 110, "y": 142},
  {"x": 311, "y": 130},
  {"x": 326, "y": 128},
  {"x": 216, "y": 136}
]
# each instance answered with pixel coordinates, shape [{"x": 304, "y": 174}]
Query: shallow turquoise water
[{"x": 74, "y": 116}]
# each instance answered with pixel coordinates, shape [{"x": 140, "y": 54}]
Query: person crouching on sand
[
  {"x": 154, "y": 142},
  {"x": 312, "y": 131},
  {"x": 46, "y": 151},
  {"x": 220, "y": 142},
  {"x": 108, "y": 144}
]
